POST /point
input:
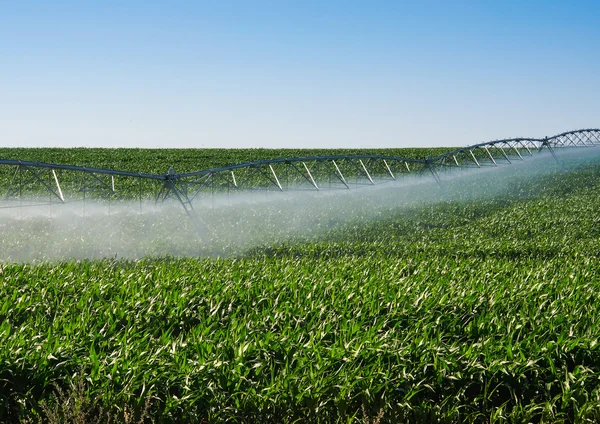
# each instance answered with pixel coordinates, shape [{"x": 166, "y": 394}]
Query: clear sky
[{"x": 323, "y": 73}]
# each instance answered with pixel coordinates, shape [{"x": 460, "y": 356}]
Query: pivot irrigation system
[{"x": 61, "y": 183}]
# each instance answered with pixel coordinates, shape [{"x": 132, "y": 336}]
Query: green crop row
[{"x": 480, "y": 306}]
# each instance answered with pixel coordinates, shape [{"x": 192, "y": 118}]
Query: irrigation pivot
[
  {"x": 34, "y": 183},
  {"x": 497, "y": 152}
]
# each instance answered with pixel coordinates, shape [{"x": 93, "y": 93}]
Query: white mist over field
[{"x": 231, "y": 224}]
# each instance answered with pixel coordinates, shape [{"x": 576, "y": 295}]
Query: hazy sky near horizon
[{"x": 310, "y": 73}]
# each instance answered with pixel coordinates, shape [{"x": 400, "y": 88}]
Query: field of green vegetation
[
  {"x": 158, "y": 161},
  {"x": 473, "y": 308}
]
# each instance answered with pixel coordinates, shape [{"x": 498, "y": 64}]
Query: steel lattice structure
[
  {"x": 505, "y": 151},
  {"x": 307, "y": 173}
]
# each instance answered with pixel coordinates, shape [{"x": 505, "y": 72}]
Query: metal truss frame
[
  {"x": 304, "y": 173},
  {"x": 497, "y": 152}
]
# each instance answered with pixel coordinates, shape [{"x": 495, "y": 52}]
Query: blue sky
[{"x": 285, "y": 73}]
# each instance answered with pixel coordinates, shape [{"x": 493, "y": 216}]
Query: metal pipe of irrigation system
[{"x": 311, "y": 172}]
